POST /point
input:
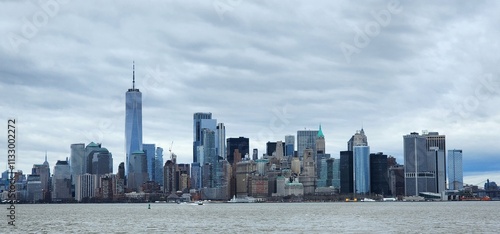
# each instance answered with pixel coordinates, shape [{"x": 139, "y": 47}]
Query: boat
[
  {"x": 242, "y": 200},
  {"x": 367, "y": 200},
  {"x": 389, "y": 199},
  {"x": 199, "y": 203}
]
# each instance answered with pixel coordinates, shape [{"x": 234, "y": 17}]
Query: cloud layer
[{"x": 264, "y": 68}]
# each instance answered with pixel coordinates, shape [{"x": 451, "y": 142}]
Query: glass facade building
[
  {"x": 306, "y": 139},
  {"x": 133, "y": 124},
  {"x": 455, "y": 170},
  {"x": 201, "y": 121},
  {"x": 150, "y": 150},
  {"x": 361, "y": 169}
]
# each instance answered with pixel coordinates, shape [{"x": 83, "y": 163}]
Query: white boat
[
  {"x": 367, "y": 200},
  {"x": 199, "y": 203},
  {"x": 242, "y": 200},
  {"x": 389, "y": 199}
]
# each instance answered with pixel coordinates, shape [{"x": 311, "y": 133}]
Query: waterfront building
[
  {"x": 61, "y": 182},
  {"x": 43, "y": 170},
  {"x": 86, "y": 187},
  {"x": 133, "y": 122},
  {"x": 220, "y": 141},
  {"x": 346, "y": 172},
  {"x": 362, "y": 169},
  {"x": 455, "y": 170},
  {"x": 138, "y": 173},
  {"x": 170, "y": 177},
  {"x": 34, "y": 189},
  {"x": 379, "y": 181}
]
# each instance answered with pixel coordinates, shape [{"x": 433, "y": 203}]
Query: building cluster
[{"x": 296, "y": 167}]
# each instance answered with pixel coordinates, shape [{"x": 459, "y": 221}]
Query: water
[{"x": 340, "y": 217}]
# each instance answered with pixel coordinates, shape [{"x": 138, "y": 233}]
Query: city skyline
[{"x": 262, "y": 84}]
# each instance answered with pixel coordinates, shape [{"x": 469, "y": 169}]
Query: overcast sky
[{"x": 264, "y": 68}]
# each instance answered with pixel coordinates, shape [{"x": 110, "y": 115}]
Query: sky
[{"x": 265, "y": 69}]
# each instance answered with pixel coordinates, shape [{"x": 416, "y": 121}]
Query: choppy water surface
[{"x": 380, "y": 217}]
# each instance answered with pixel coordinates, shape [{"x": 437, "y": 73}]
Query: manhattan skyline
[{"x": 265, "y": 70}]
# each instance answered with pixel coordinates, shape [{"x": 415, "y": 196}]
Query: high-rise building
[
  {"x": 421, "y": 165},
  {"x": 455, "y": 170},
  {"x": 138, "y": 173},
  {"x": 85, "y": 186},
  {"x": 201, "y": 121},
  {"x": 34, "y": 188},
  {"x": 346, "y": 172},
  {"x": 306, "y": 139},
  {"x": 361, "y": 169},
  {"x": 220, "y": 141},
  {"x": 308, "y": 175},
  {"x": 150, "y": 151},
  {"x": 241, "y": 144},
  {"x": 209, "y": 158},
  {"x": 61, "y": 182},
  {"x": 43, "y": 170},
  {"x": 78, "y": 160},
  {"x": 159, "y": 166},
  {"x": 379, "y": 181},
  {"x": 133, "y": 122},
  {"x": 255, "y": 154},
  {"x": 358, "y": 139},
  {"x": 99, "y": 160},
  {"x": 437, "y": 144},
  {"x": 289, "y": 145},
  {"x": 169, "y": 177}
]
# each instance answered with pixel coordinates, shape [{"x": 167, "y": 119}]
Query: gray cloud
[{"x": 66, "y": 83}]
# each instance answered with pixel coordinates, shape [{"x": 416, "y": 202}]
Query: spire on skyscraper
[
  {"x": 46, "y": 162},
  {"x": 133, "y": 74},
  {"x": 320, "y": 132}
]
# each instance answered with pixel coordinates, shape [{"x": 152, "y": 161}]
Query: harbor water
[{"x": 339, "y": 217}]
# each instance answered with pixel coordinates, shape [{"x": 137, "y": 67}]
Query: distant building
[
  {"x": 61, "y": 182},
  {"x": 78, "y": 160},
  {"x": 150, "y": 151},
  {"x": 34, "y": 189},
  {"x": 255, "y": 154},
  {"x": 86, "y": 187},
  {"x": 358, "y": 139},
  {"x": 362, "y": 169},
  {"x": 99, "y": 160},
  {"x": 397, "y": 180},
  {"x": 346, "y": 172},
  {"x": 43, "y": 170},
  {"x": 289, "y": 146},
  {"x": 158, "y": 178},
  {"x": 241, "y": 144},
  {"x": 455, "y": 170},
  {"x": 306, "y": 139},
  {"x": 133, "y": 123},
  {"x": 169, "y": 177},
  {"x": 308, "y": 175},
  {"x": 379, "y": 181},
  {"x": 424, "y": 163},
  {"x": 201, "y": 121},
  {"x": 220, "y": 141},
  {"x": 138, "y": 173}
]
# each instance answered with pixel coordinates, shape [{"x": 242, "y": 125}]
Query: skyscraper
[
  {"x": 78, "y": 160},
  {"x": 362, "y": 169},
  {"x": 359, "y": 138},
  {"x": 306, "y": 139},
  {"x": 241, "y": 144},
  {"x": 455, "y": 170},
  {"x": 201, "y": 121},
  {"x": 61, "y": 182},
  {"x": 346, "y": 172},
  {"x": 159, "y": 166},
  {"x": 421, "y": 165},
  {"x": 43, "y": 170},
  {"x": 437, "y": 144},
  {"x": 150, "y": 151},
  {"x": 289, "y": 145},
  {"x": 220, "y": 141},
  {"x": 133, "y": 122},
  {"x": 379, "y": 180}
]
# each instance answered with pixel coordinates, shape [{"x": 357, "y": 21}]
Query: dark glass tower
[
  {"x": 133, "y": 122},
  {"x": 241, "y": 144}
]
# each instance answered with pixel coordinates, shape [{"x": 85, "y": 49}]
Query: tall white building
[{"x": 85, "y": 186}]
